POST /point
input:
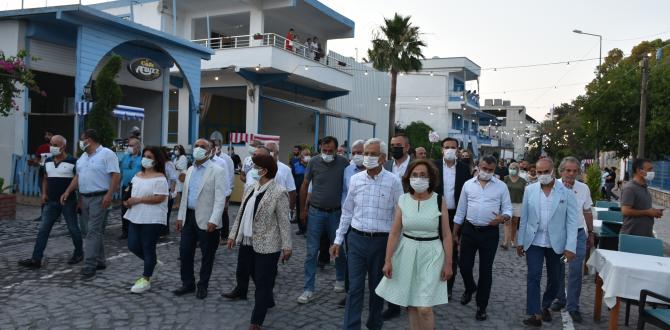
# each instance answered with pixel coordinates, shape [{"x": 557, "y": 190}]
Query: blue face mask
[{"x": 255, "y": 174}]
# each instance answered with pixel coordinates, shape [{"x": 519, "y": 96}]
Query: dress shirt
[
  {"x": 370, "y": 203},
  {"x": 129, "y": 166},
  {"x": 349, "y": 171},
  {"x": 400, "y": 170},
  {"x": 449, "y": 179},
  {"x": 195, "y": 182},
  {"x": 480, "y": 205},
  {"x": 542, "y": 235},
  {"x": 228, "y": 169},
  {"x": 247, "y": 167},
  {"x": 94, "y": 170},
  {"x": 284, "y": 177},
  {"x": 584, "y": 201}
]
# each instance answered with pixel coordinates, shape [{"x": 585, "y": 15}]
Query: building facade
[{"x": 513, "y": 129}]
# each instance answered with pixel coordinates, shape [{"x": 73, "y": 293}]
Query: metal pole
[
  {"x": 465, "y": 102},
  {"x": 643, "y": 107},
  {"x": 209, "y": 33},
  {"x": 132, "y": 12},
  {"x": 600, "y": 64},
  {"x": 174, "y": 17}
]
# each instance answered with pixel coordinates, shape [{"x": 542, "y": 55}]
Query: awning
[
  {"x": 124, "y": 112},
  {"x": 319, "y": 110},
  {"x": 248, "y": 137}
]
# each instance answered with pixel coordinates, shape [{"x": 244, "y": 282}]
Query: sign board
[{"x": 144, "y": 69}]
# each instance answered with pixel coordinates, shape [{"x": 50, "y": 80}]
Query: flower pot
[{"x": 7, "y": 207}]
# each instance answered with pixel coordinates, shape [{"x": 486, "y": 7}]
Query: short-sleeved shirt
[
  {"x": 584, "y": 201},
  {"x": 129, "y": 166},
  {"x": 284, "y": 177},
  {"x": 637, "y": 196},
  {"x": 148, "y": 213},
  {"x": 516, "y": 189},
  {"x": 327, "y": 181},
  {"x": 94, "y": 170},
  {"x": 59, "y": 177}
]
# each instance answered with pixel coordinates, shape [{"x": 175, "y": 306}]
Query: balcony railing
[
  {"x": 274, "y": 40},
  {"x": 458, "y": 96}
]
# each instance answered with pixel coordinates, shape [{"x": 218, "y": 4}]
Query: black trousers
[
  {"x": 209, "y": 242},
  {"x": 225, "y": 224},
  {"x": 124, "y": 223},
  {"x": 165, "y": 230},
  {"x": 263, "y": 269},
  {"x": 454, "y": 254},
  {"x": 484, "y": 240}
]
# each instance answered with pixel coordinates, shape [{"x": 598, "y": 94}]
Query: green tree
[
  {"x": 108, "y": 95},
  {"x": 398, "y": 48},
  {"x": 417, "y": 132}
]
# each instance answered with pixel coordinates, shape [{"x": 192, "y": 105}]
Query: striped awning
[
  {"x": 124, "y": 112},
  {"x": 248, "y": 137}
]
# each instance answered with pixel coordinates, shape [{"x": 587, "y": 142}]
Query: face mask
[
  {"x": 54, "y": 150},
  {"x": 176, "y": 152},
  {"x": 307, "y": 159},
  {"x": 130, "y": 150},
  {"x": 449, "y": 154},
  {"x": 485, "y": 176},
  {"x": 649, "y": 176},
  {"x": 512, "y": 172},
  {"x": 370, "y": 162},
  {"x": 199, "y": 153},
  {"x": 83, "y": 145},
  {"x": 358, "y": 160},
  {"x": 327, "y": 158},
  {"x": 545, "y": 179},
  {"x": 252, "y": 150},
  {"x": 255, "y": 174},
  {"x": 397, "y": 152},
  {"x": 419, "y": 184},
  {"x": 147, "y": 163}
]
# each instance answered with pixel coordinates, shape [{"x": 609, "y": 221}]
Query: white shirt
[
  {"x": 94, "y": 171},
  {"x": 584, "y": 201},
  {"x": 284, "y": 177},
  {"x": 148, "y": 213},
  {"x": 222, "y": 163},
  {"x": 542, "y": 235},
  {"x": 449, "y": 179},
  {"x": 480, "y": 205},
  {"x": 400, "y": 170},
  {"x": 230, "y": 170},
  {"x": 370, "y": 203},
  {"x": 247, "y": 166}
]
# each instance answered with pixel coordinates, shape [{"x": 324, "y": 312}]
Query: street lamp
[{"x": 600, "y": 63}]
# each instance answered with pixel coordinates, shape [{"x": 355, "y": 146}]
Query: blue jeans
[
  {"x": 535, "y": 257},
  {"x": 366, "y": 256},
  {"x": 317, "y": 223},
  {"x": 50, "y": 212},
  {"x": 574, "y": 276},
  {"x": 142, "y": 240}
]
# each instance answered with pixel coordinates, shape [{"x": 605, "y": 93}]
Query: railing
[
  {"x": 274, "y": 40},
  {"x": 458, "y": 96}
]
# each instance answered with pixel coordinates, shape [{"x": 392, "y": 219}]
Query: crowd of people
[
  {"x": 311, "y": 48},
  {"x": 405, "y": 222}
]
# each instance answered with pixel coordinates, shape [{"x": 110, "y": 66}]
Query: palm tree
[{"x": 396, "y": 49}]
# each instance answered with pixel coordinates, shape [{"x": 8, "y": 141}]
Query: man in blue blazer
[{"x": 548, "y": 230}]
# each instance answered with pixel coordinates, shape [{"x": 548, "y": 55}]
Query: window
[
  {"x": 173, "y": 117},
  {"x": 456, "y": 121}
]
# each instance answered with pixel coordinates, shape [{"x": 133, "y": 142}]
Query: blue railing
[{"x": 662, "y": 176}]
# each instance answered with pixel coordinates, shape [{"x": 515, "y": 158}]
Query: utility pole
[{"x": 643, "y": 107}]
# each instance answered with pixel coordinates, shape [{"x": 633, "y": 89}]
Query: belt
[
  {"x": 331, "y": 210},
  {"x": 366, "y": 234},
  {"x": 93, "y": 194},
  {"x": 481, "y": 228},
  {"x": 421, "y": 238}
]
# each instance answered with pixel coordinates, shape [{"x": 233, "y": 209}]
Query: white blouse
[{"x": 148, "y": 213}]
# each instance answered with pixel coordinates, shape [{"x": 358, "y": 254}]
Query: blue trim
[
  {"x": 177, "y": 81},
  {"x": 57, "y": 33},
  {"x": 332, "y": 14},
  {"x": 118, "y": 4},
  {"x": 306, "y": 91}
]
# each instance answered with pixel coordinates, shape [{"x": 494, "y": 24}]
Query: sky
[{"x": 501, "y": 33}]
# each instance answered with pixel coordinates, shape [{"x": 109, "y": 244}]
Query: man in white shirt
[
  {"x": 247, "y": 164},
  {"x": 284, "y": 176},
  {"x": 368, "y": 209},
  {"x": 483, "y": 205},
  {"x": 570, "y": 169},
  {"x": 224, "y": 161}
]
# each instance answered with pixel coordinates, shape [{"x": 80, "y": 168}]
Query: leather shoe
[
  {"x": 546, "y": 315},
  {"x": 556, "y": 306},
  {"x": 481, "y": 314},
  {"x": 75, "y": 260},
  {"x": 234, "y": 295},
  {"x": 201, "y": 293},
  {"x": 576, "y": 317},
  {"x": 30, "y": 263},
  {"x": 183, "y": 290},
  {"x": 87, "y": 274},
  {"x": 532, "y": 321},
  {"x": 467, "y": 297},
  {"x": 254, "y": 327},
  {"x": 390, "y": 313},
  {"x": 100, "y": 267}
]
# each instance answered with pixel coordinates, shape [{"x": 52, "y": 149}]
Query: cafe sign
[{"x": 144, "y": 69}]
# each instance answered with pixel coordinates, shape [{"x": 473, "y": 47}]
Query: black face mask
[{"x": 397, "y": 152}]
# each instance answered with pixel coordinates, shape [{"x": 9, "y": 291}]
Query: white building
[
  {"x": 444, "y": 95},
  {"x": 514, "y": 128}
]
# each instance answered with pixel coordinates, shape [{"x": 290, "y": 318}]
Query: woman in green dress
[{"x": 418, "y": 263}]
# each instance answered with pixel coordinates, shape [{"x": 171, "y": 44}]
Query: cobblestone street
[{"x": 54, "y": 296}]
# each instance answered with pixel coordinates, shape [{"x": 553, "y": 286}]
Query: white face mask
[
  {"x": 307, "y": 159},
  {"x": 83, "y": 145},
  {"x": 199, "y": 153},
  {"x": 545, "y": 178},
  {"x": 419, "y": 184},
  {"x": 649, "y": 176},
  {"x": 485, "y": 176},
  {"x": 176, "y": 152},
  {"x": 370, "y": 162},
  {"x": 327, "y": 158},
  {"x": 512, "y": 172},
  {"x": 147, "y": 162},
  {"x": 449, "y": 154},
  {"x": 251, "y": 150},
  {"x": 54, "y": 150},
  {"x": 255, "y": 174},
  {"x": 358, "y": 160},
  {"x": 130, "y": 150}
]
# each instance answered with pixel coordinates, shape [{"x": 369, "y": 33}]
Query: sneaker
[
  {"x": 75, "y": 260},
  {"x": 305, "y": 297},
  {"x": 140, "y": 286},
  {"x": 339, "y": 286},
  {"x": 159, "y": 265},
  {"x": 30, "y": 263}
]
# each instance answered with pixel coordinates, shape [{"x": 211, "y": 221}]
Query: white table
[
  {"x": 597, "y": 224},
  {"x": 624, "y": 275}
]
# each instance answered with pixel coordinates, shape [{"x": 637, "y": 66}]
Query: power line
[{"x": 538, "y": 64}]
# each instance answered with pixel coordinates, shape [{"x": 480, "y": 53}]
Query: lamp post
[{"x": 600, "y": 63}]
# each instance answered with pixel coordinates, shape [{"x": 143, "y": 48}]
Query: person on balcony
[
  {"x": 318, "y": 51},
  {"x": 290, "y": 37}
]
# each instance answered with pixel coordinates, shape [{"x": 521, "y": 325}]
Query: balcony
[{"x": 456, "y": 100}]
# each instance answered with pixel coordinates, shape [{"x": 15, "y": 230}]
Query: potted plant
[{"x": 7, "y": 202}]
